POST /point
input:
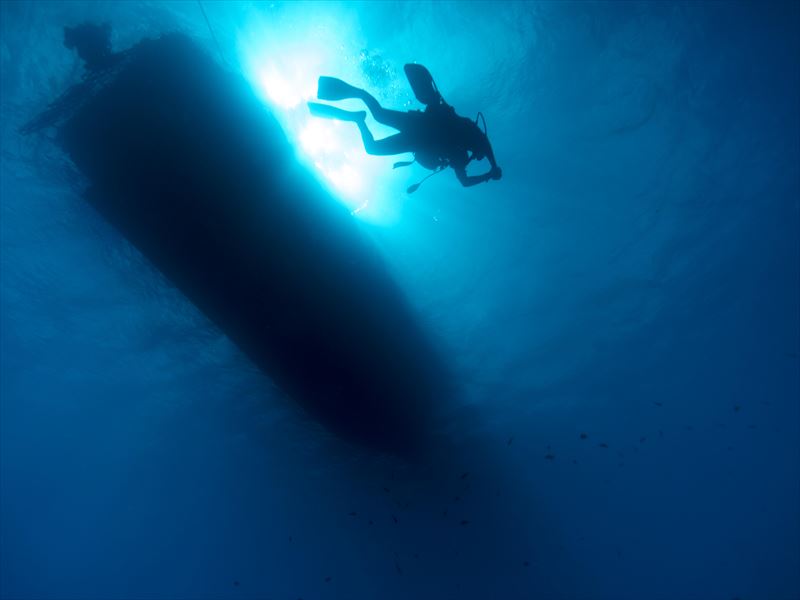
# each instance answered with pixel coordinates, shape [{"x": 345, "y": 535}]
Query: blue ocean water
[{"x": 621, "y": 313}]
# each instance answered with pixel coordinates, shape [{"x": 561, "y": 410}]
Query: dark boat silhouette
[{"x": 191, "y": 168}]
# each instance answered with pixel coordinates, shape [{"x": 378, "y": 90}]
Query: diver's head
[{"x": 92, "y": 42}]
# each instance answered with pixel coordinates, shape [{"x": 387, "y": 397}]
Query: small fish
[
  {"x": 444, "y": 512},
  {"x": 584, "y": 436},
  {"x": 642, "y": 440},
  {"x": 370, "y": 522},
  {"x": 574, "y": 462},
  {"x": 457, "y": 498},
  {"x": 387, "y": 490},
  {"x": 464, "y": 522},
  {"x": 603, "y": 445},
  {"x": 465, "y": 474},
  {"x": 416, "y": 555},
  {"x": 549, "y": 456},
  {"x": 328, "y": 579},
  {"x": 511, "y": 439},
  {"x": 526, "y": 564},
  {"x": 352, "y": 514},
  {"x": 737, "y": 408},
  {"x": 395, "y": 519},
  {"x": 236, "y": 584},
  {"x": 658, "y": 403},
  {"x": 290, "y": 539}
]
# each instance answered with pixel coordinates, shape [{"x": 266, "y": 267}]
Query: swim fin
[
  {"x": 403, "y": 163},
  {"x": 326, "y": 111},
  {"x": 331, "y": 88}
]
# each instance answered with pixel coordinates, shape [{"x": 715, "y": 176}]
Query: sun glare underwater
[
  {"x": 283, "y": 57},
  {"x": 587, "y": 370}
]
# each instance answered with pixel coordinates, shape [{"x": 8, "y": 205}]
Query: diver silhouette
[{"x": 437, "y": 136}]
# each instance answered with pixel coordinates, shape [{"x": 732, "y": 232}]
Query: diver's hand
[{"x": 496, "y": 173}]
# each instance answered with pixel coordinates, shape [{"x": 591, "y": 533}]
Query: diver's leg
[
  {"x": 331, "y": 88},
  {"x": 393, "y": 118},
  {"x": 394, "y": 144}
]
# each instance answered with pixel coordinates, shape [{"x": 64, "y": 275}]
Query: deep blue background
[{"x": 633, "y": 277}]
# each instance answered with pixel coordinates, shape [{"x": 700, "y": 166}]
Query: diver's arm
[
  {"x": 470, "y": 180},
  {"x": 490, "y": 155},
  {"x": 496, "y": 172}
]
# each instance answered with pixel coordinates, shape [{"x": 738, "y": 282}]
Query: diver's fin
[
  {"x": 331, "y": 88},
  {"x": 422, "y": 84},
  {"x": 326, "y": 111},
  {"x": 403, "y": 163}
]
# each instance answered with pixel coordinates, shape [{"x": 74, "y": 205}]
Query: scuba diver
[{"x": 438, "y": 137}]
